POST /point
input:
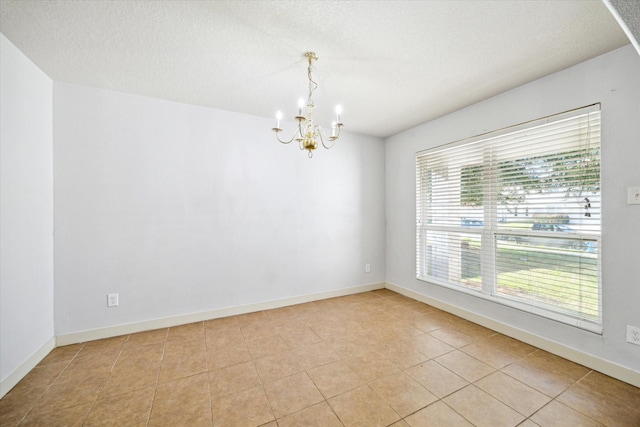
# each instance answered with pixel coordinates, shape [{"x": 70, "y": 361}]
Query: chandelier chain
[{"x": 312, "y": 84}]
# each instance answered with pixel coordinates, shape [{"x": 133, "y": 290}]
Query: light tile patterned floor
[{"x": 372, "y": 359}]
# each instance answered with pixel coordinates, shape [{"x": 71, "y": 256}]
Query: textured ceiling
[
  {"x": 390, "y": 64},
  {"x": 627, "y": 13}
]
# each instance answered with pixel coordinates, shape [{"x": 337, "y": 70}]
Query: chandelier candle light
[{"x": 308, "y": 133}]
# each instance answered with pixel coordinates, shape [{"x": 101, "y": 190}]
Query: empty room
[{"x": 320, "y": 213}]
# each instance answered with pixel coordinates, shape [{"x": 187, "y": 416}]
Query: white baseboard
[
  {"x": 21, "y": 371},
  {"x": 167, "y": 322},
  {"x": 590, "y": 361}
]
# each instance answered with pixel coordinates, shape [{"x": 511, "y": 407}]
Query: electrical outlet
[
  {"x": 112, "y": 300},
  {"x": 633, "y": 335},
  {"x": 367, "y": 268}
]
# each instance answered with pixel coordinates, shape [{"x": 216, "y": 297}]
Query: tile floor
[{"x": 372, "y": 359}]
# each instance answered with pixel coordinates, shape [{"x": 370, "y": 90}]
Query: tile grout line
[
  {"x": 93, "y": 404},
  {"x": 252, "y": 359},
  {"x": 575, "y": 383},
  {"x": 50, "y": 385},
  {"x": 155, "y": 389},
  {"x": 206, "y": 356}
]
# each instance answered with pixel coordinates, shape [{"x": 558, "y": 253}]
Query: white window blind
[{"x": 514, "y": 216}]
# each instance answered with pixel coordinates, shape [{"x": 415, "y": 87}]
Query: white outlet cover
[
  {"x": 112, "y": 300},
  {"x": 633, "y": 335}
]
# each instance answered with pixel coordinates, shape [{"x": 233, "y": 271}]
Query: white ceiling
[{"x": 390, "y": 64}]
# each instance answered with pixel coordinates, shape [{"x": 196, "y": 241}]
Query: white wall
[
  {"x": 612, "y": 79},
  {"x": 182, "y": 209},
  {"x": 26, "y": 209}
]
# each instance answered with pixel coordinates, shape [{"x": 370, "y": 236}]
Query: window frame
[{"x": 489, "y": 232}]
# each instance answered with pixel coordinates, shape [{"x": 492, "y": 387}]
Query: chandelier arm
[
  {"x": 277, "y": 131},
  {"x": 330, "y": 139}
]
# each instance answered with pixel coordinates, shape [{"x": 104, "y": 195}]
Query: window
[{"x": 514, "y": 216}]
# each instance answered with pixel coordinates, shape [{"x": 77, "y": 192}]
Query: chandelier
[{"x": 308, "y": 133}]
